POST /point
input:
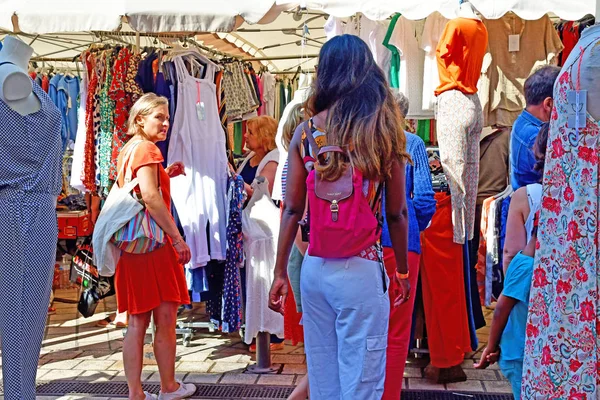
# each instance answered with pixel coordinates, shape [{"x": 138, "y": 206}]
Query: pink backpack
[{"x": 340, "y": 220}]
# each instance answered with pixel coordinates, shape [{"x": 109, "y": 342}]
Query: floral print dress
[{"x": 561, "y": 358}]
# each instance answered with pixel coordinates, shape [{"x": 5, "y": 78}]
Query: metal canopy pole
[
  {"x": 263, "y": 356},
  {"x": 290, "y": 57}
]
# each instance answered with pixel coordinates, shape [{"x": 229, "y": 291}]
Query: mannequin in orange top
[{"x": 460, "y": 55}]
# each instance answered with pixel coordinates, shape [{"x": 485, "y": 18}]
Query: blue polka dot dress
[
  {"x": 30, "y": 180},
  {"x": 232, "y": 288}
]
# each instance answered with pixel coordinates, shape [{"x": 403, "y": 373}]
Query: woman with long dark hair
[{"x": 345, "y": 300}]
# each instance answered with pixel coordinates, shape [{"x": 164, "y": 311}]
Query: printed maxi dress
[{"x": 562, "y": 345}]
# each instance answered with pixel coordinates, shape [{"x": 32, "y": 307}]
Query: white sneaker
[
  {"x": 185, "y": 390},
  {"x": 150, "y": 396}
]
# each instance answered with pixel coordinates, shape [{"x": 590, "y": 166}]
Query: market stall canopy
[
  {"x": 419, "y": 9},
  {"x": 41, "y": 16}
]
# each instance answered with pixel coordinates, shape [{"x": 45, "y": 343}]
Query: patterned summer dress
[{"x": 562, "y": 348}]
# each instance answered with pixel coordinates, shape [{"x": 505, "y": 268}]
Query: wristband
[
  {"x": 401, "y": 276},
  {"x": 177, "y": 242}
]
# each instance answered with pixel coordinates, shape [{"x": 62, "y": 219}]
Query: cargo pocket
[{"x": 373, "y": 364}]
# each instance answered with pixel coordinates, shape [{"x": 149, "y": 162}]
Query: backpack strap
[
  {"x": 311, "y": 139},
  {"x": 376, "y": 207}
]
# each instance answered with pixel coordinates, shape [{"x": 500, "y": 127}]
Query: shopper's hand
[
  {"x": 278, "y": 294},
  {"x": 183, "y": 251},
  {"x": 402, "y": 292},
  {"x": 175, "y": 169},
  {"x": 487, "y": 358}
]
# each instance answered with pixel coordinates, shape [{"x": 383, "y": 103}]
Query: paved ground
[{"x": 74, "y": 349}]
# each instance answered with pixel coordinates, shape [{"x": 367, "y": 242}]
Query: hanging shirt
[
  {"x": 432, "y": 32},
  {"x": 70, "y": 86},
  {"x": 504, "y": 78},
  {"x": 412, "y": 59},
  {"x": 333, "y": 27},
  {"x": 268, "y": 81},
  {"x": 460, "y": 55},
  {"x": 53, "y": 87},
  {"x": 59, "y": 98},
  {"x": 393, "y": 74}
]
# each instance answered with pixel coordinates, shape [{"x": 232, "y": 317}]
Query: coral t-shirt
[
  {"x": 460, "y": 53},
  {"x": 147, "y": 153}
]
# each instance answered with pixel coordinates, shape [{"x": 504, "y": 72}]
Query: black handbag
[
  {"x": 93, "y": 286},
  {"x": 83, "y": 271}
]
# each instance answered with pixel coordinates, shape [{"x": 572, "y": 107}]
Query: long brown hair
[{"x": 363, "y": 117}]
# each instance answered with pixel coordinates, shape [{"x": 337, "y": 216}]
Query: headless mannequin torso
[{"x": 15, "y": 85}]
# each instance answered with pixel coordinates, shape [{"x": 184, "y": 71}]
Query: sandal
[{"x": 104, "y": 323}]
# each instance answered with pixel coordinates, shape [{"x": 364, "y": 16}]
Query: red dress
[{"x": 144, "y": 281}]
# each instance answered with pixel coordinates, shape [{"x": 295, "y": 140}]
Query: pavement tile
[
  {"x": 61, "y": 331},
  {"x": 245, "y": 379},
  {"x": 497, "y": 386},
  {"x": 96, "y": 376},
  {"x": 468, "y": 386},
  {"x": 40, "y": 373},
  {"x": 187, "y": 366},
  {"x": 60, "y": 375},
  {"x": 62, "y": 364},
  {"x": 219, "y": 367},
  {"x": 120, "y": 376},
  {"x": 288, "y": 359},
  {"x": 294, "y": 369},
  {"x": 202, "y": 378},
  {"x": 196, "y": 356},
  {"x": 96, "y": 355},
  {"x": 63, "y": 355},
  {"x": 423, "y": 384},
  {"x": 276, "y": 380},
  {"x": 227, "y": 358},
  {"x": 95, "y": 365},
  {"x": 481, "y": 375}
]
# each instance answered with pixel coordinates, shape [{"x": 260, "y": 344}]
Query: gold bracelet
[{"x": 401, "y": 276}]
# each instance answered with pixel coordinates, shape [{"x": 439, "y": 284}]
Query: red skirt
[{"x": 144, "y": 281}]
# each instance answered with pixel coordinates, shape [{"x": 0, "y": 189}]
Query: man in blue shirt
[{"x": 539, "y": 88}]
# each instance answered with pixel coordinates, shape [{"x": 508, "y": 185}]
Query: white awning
[
  {"x": 41, "y": 16},
  {"x": 419, "y": 9}
]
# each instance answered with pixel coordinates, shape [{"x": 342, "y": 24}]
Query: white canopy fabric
[
  {"x": 419, "y": 9},
  {"x": 41, "y": 16},
  {"x": 259, "y": 28}
]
